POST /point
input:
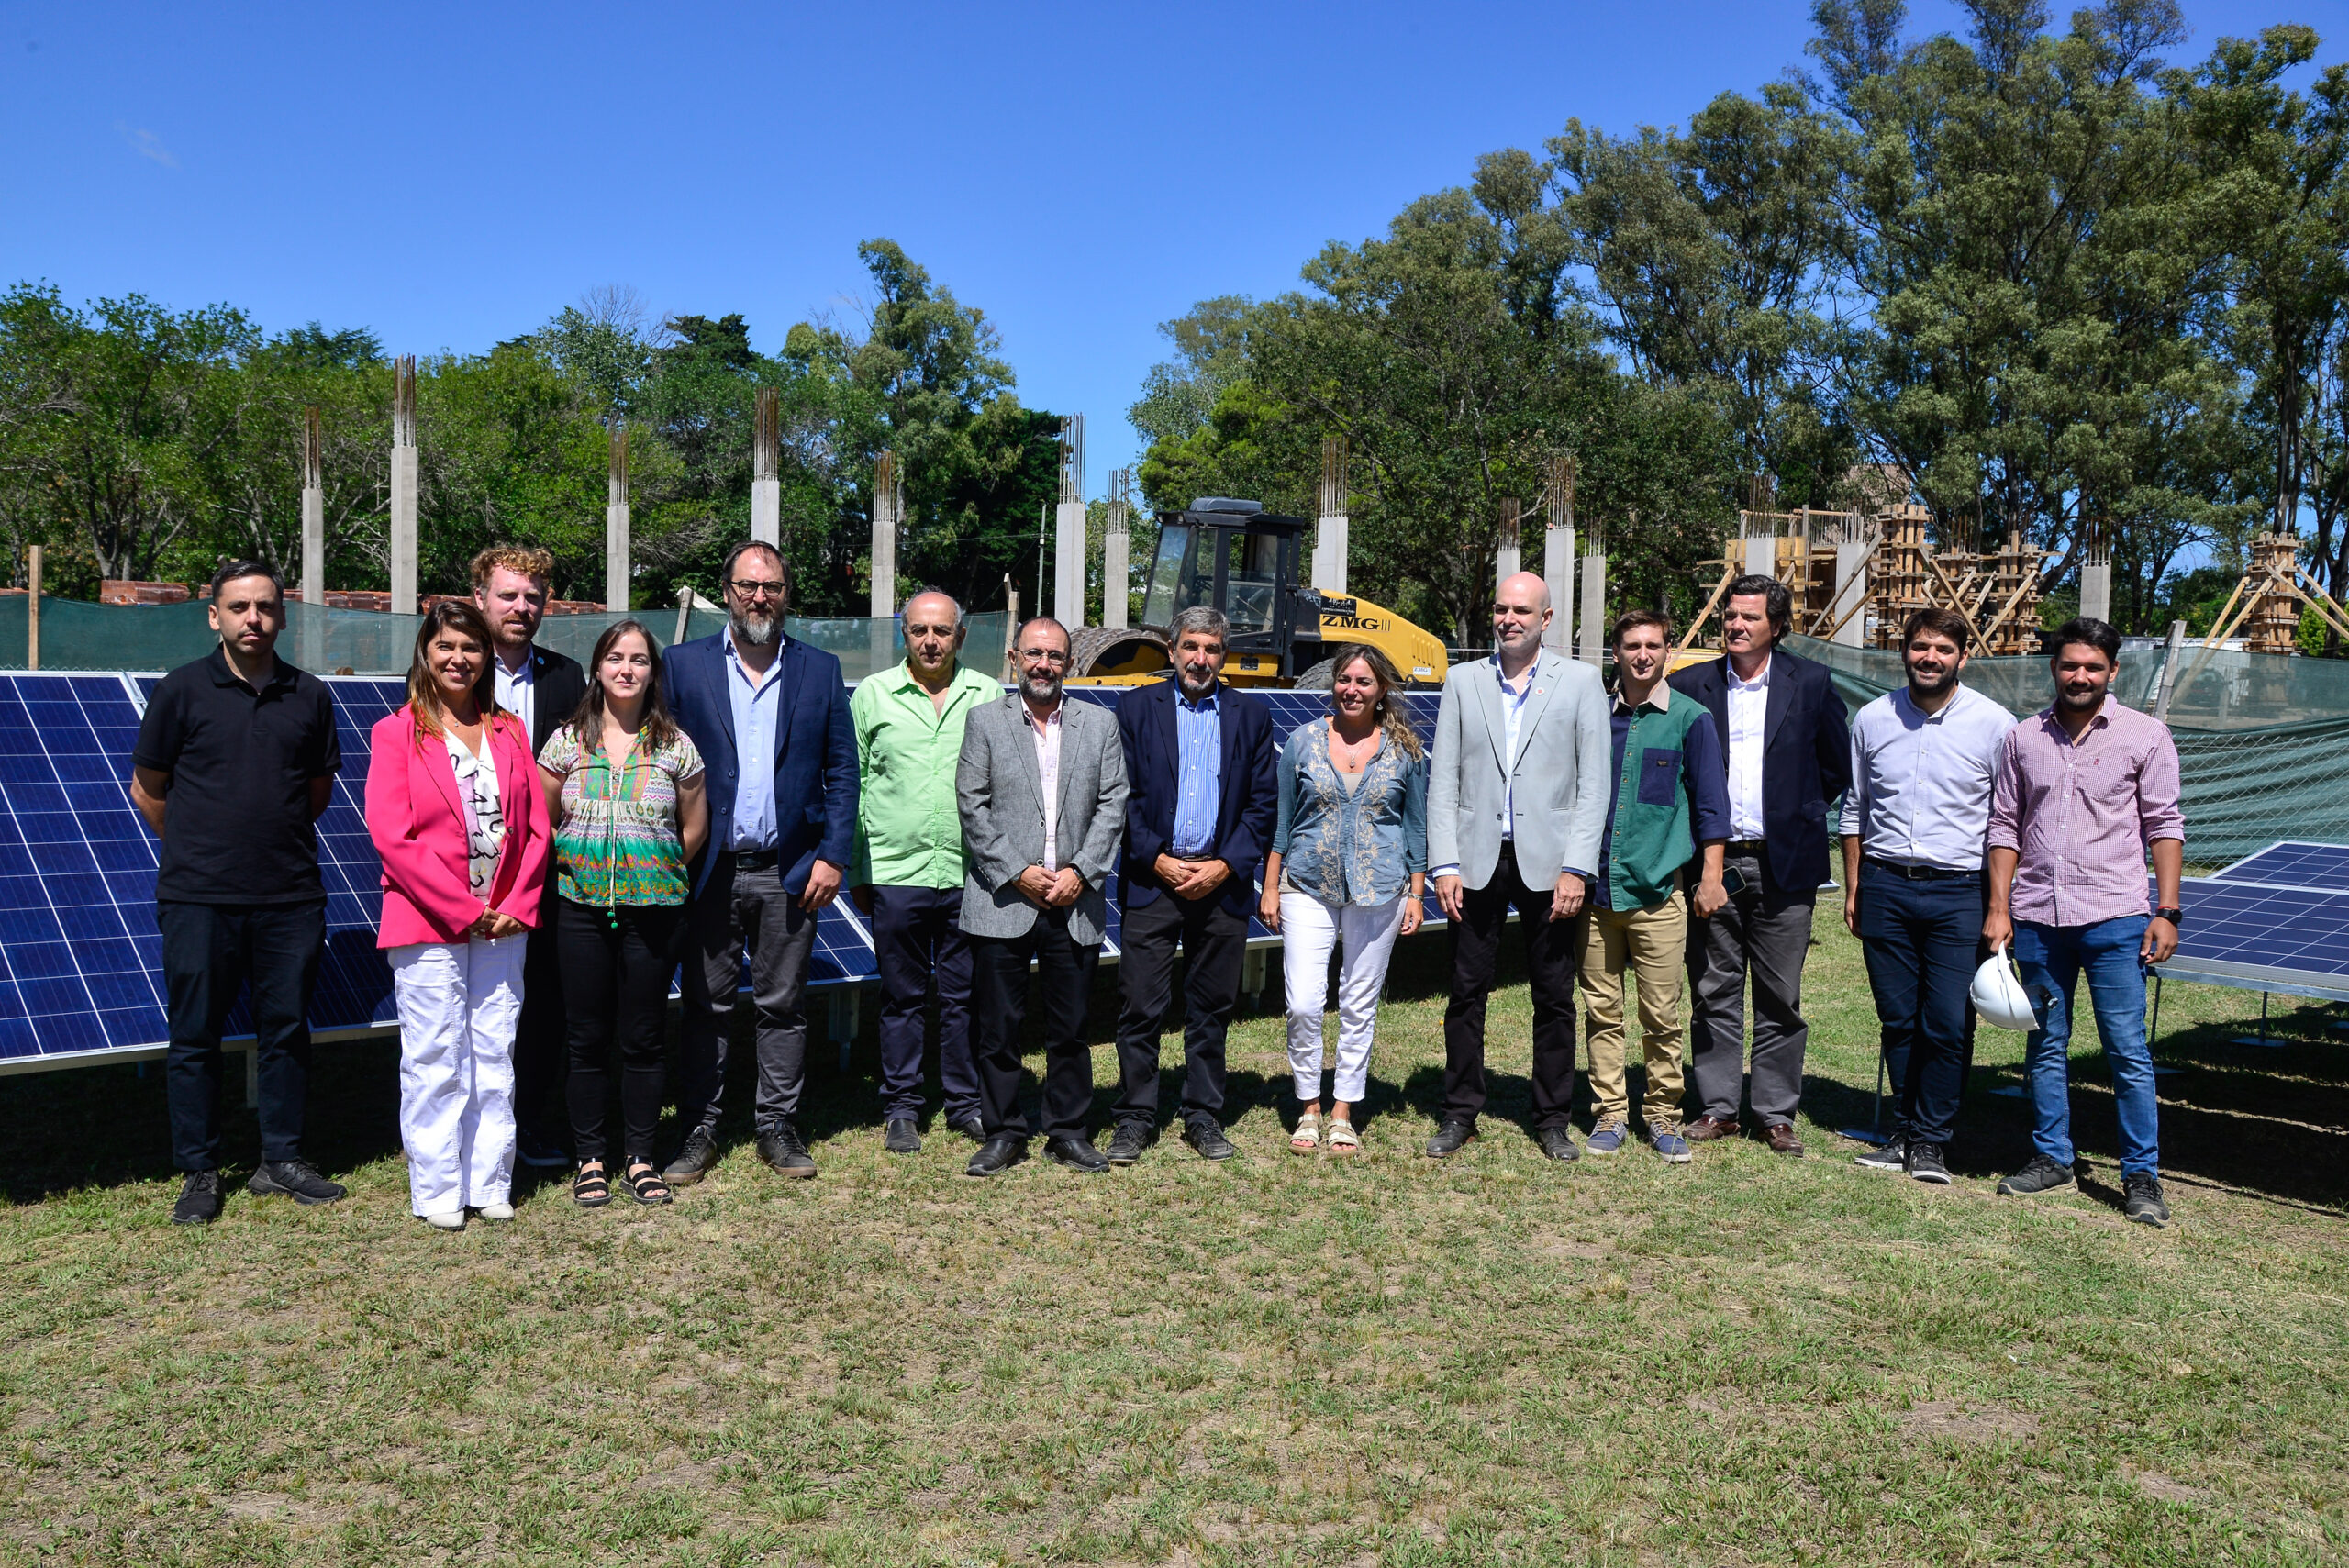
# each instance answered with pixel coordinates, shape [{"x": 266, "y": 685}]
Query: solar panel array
[
  {"x": 81, "y": 973},
  {"x": 2276, "y": 921}
]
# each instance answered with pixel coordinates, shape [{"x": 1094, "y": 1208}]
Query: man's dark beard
[
  {"x": 1919, "y": 685},
  {"x": 2065, "y": 699},
  {"x": 747, "y": 627}
]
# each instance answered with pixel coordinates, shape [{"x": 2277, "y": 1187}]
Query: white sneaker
[
  {"x": 452, "y": 1221},
  {"x": 497, "y": 1211}
]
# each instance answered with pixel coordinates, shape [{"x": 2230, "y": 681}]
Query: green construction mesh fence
[
  {"x": 75, "y": 634},
  {"x": 2263, "y": 740}
]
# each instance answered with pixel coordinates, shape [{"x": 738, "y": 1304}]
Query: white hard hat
[{"x": 1998, "y": 994}]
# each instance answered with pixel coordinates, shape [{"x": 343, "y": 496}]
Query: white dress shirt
[
  {"x": 1749, "y": 714},
  {"x": 517, "y": 689},
  {"x": 1920, "y": 782},
  {"x": 1047, "y": 736}
]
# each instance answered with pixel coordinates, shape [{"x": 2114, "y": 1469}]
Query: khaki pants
[{"x": 1653, "y": 943}]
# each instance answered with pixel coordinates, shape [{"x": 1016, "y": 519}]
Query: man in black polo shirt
[{"x": 235, "y": 759}]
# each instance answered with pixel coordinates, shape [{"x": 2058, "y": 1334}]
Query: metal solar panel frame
[{"x": 2287, "y": 856}]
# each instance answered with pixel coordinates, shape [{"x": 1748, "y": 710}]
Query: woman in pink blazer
[{"x": 456, "y": 814}]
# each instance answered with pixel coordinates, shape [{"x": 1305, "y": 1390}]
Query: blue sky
[{"x": 450, "y": 175}]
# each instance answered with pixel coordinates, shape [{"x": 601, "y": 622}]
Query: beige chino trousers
[{"x": 1651, "y": 943}]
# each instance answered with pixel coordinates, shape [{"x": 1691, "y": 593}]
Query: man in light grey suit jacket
[
  {"x": 1041, "y": 786},
  {"x": 1517, "y": 798}
]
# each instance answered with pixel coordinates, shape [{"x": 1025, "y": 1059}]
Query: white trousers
[
  {"x": 1309, "y": 930},
  {"x": 458, "y": 1004}
]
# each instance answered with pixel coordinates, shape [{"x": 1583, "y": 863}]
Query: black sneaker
[
  {"x": 1130, "y": 1139},
  {"x": 1893, "y": 1156},
  {"x": 694, "y": 1160},
  {"x": 296, "y": 1179},
  {"x": 901, "y": 1136},
  {"x": 199, "y": 1199},
  {"x": 2141, "y": 1200},
  {"x": 2041, "y": 1175},
  {"x": 1203, "y": 1134},
  {"x": 783, "y": 1149},
  {"x": 1925, "y": 1164},
  {"x": 1451, "y": 1138}
]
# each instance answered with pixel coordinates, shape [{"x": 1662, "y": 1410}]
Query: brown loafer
[
  {"x": 1707, "y": 1128},
  {"x": 1781, "y": 1139}
]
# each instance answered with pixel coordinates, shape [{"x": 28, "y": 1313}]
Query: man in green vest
[{"x": 1669, "y": 798}]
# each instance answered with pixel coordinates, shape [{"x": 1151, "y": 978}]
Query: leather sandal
[
  {"x": 589, "y": 1187},
  {"x": 1341, "y": 1139},
  {"x": 644, "y": 1183},
  {"x": 1307, "y": 1136}
]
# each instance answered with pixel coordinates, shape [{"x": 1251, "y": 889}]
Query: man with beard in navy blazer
[
  {"x": 770, "y": 716},
  {"x": 1199, "y": 814}
]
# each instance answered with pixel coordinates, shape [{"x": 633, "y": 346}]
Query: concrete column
[
  {"x": 1117, "y": 568},
  {"x": 403, "y": 534},
  {"x": 1558, "y": 555},
  {"x": 2096, "y": 590},
  {"x": 1594, "y": 609},
  {"x": 1851, "y": 590},
  {"x": 766, "y": 465},
  {"x": 618, "y": 569},
  {"x": 1762, "y": 557},
  {"x": 1508, "y": 554},
  {"x": 312, "y": 640},
  {"x": 885, "y": 497},
  {"x": 1068, "y": 529},
  {"x": 1329, "y": 539}
]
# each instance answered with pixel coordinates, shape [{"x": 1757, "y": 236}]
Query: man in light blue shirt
[
  {"x": 1198, "y": 742},
  {"x": 750, "y": 689},
  {"x": 1915, "y": 827}
]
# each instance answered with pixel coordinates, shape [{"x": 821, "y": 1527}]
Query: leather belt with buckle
[
  {"x": 1921, "y": 873},
  {"x": 754, "y": 859}
]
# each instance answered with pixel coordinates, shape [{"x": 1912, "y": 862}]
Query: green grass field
[{"x": 1391, "y": 1361}]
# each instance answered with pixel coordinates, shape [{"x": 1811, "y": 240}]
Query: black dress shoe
[
  {"x": 199, "y": 1201},
  {"x": 901, "y": 1136},
  {"x": 786, "y": 1152},
  {"x": 1130, "y": 1139},
  {"x": 1076, "y": 1153},
  {"x": 1205, "y": 1136},
  {"x": 296, "y": 1179},
  {"x": 694, "y": 1160},
  {"x": 1451, "y": 1138},
  {"x": 996, "y": 1155},
  {"x": 1559, "y": 1144},
  {"x": 970, "y": 1127}
]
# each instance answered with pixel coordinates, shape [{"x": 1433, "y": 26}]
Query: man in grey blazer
[
  {"x": 1517, "y": 798},
  {"x": 1041, "y": 785}
]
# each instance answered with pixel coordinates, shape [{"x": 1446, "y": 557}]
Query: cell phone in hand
[{"x": 1732, "y": 882}]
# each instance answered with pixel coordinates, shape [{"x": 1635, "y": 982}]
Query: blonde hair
[
  {"x": 1386, "y": 710},
  {"x": 527, "y": 559}
]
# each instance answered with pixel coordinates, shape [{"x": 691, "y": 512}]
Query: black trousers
[
  {"x": 616, "y": 970},
  {"x": 541, "y": 1037},
  {"x": 1921, "y": 940},
  {"x": 917, "y": 937},
  {"x": 1064, "y": 984},
  {"x": 1550, "y": 959},
  {"x": 210, "y": 952},
  {"x": 1215, "y": 943},
  {"x": 744, "y": 913}
]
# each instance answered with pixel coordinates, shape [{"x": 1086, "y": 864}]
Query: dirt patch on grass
[
  {"x": 1948, "y": 1418},
  {"x": 2153, "y": 1484}
]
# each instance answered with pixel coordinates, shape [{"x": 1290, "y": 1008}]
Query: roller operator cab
[{"x": 1244, "y": 560}]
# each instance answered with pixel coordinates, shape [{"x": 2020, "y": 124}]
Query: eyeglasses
[
  {"x": 1043, "y": 655},
  {"x": 751, "y": 590}
]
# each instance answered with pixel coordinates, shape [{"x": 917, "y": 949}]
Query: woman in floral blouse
[
  {"x": 1348, "y": 862},
  {"x": 624, "y": 787}
]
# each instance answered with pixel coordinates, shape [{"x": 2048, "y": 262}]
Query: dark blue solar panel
[
  {"x": 2263, "y": 938},
  {"x": 2324, "y": 867}
]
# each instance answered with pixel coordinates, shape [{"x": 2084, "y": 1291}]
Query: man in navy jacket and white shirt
[
  {"x": 1199, "y": 814},
  {"x": 770, "y": 716},
  {"x": 1518, "y": 787},
  {"x": 1788, "y": 748}
]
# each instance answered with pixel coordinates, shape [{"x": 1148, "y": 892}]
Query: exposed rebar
[
  {"x": 404, "y": 401},
  {"x": 766, "y": 435}
]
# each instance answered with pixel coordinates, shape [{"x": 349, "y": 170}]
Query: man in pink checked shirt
[{"x": 2084, "y": 791}]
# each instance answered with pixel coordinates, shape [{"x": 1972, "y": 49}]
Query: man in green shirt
[{"x": 907, "y": 873}]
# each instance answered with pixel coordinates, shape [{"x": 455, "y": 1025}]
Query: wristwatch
[{"x": 2177, "y": 918}]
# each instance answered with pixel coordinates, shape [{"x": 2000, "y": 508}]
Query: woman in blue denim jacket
[{"x": 1348, "y": 860}]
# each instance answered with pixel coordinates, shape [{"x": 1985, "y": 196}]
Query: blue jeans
[
  {"x": 1920, "y": 938},
  {"x": 2052, "y": 957}
]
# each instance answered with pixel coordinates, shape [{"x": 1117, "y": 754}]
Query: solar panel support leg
[
  {"x": 1252, "y": 971},
  {"x": 1873, "y": 1131},
  {"x": 847, "y": 1019},
  {"x": 2263, "y": 1038},
  {"x": 252, "y": 1079},
  {"x": 2154, "y": 1032}
]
